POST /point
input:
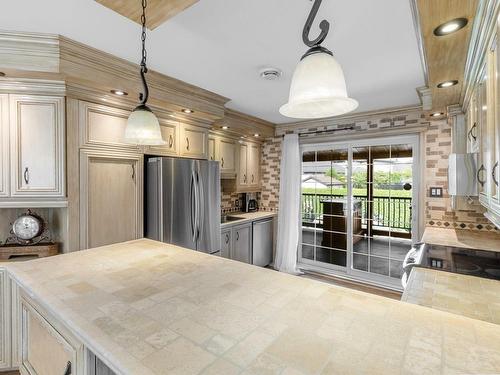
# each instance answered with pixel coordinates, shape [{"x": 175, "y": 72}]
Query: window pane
[
  {"x": 308, "y": 252},
  {"x": 308, "y": 236},
  {"x": 396, "y": 269},
  {"x": 360, "y": 262},
  {"x": 331, "y": 256},
  {"x": 379, "y": 265}
]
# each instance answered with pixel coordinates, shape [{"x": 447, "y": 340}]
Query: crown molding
[
  {"x": 425, "y": 95},
  {"x": 241, "y": 124},
  {"x": 350, "y": 118},
  {"x": 420, "y": 40},
  {"x": 32, "y": 86}
]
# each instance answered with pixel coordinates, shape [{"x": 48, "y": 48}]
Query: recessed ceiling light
[
  {"x": 187, "y": 110},
  {"x": 256, "y": 135},
  {"x": 437, "y": 114},
  {"x": 119, "y": 92},
  {"x": 225, "y": 127},
  {"x": 450, "y": 26},
  {"x": 446, "y": 84}
]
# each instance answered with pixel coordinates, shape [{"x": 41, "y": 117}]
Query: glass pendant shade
[
  {"x": 318, "y": 89},
  {"x": 143, "y": 128}
]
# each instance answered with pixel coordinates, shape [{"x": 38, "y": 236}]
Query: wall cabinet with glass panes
[{"x": 483, "y": 137}]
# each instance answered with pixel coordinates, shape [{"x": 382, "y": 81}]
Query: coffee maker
[{"x": 249, "y": 202}]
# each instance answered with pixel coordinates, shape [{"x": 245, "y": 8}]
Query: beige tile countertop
[
  {"x": 468, "y": 239},
  {"x": 247, "y": 217},
  {"x": 150, "y": 308},
  {"x": 466, "y": 295}
]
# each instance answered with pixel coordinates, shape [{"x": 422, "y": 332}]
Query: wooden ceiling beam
[
  {"x": 158, "y": 11},
  {"x": 446, "y": 55}
]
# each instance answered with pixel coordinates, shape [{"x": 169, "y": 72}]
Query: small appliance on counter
[
  {"x": 480, "y": 263},
  {"x": 249, "y": 201}
]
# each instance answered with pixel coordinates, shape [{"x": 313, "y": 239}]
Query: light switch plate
[{"x": 436, "y": 192}]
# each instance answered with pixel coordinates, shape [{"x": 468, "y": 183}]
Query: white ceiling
[{"x": 221, "y": 45}]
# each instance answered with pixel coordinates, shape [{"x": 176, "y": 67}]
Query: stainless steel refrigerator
[{"x": 182, "y": 203}]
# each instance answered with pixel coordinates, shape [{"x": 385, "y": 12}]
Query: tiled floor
[{"x": 381, "y": 255}]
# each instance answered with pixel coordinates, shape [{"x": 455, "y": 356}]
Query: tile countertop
[
  {"x": 247, "y": 217},
  {"x": 146, "y": 307},
  {"x": 465, "y": 295},
  {"x": 468, "y": 239}
]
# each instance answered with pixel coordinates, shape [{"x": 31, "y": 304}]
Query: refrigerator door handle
[
  {"x": 194, "y": 205},
  {"x": 201, "y": 204}
]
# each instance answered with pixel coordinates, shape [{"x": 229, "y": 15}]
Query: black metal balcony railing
[{"x": 388, "y": 212}]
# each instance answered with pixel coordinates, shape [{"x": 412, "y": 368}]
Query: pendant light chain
[{"x": 143, "y": 97}]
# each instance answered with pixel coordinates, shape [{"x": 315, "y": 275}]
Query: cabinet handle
[
  {"x": 26, "y": 176},
  {"x": 133, "y": 171},
  {"x": 244, "y": 178},
  {"x": 494, "y": 174},
  {"x": 253, "y": 178},
  {"x": 237, "y": 236},
  {"x": 187, "y": 143},
  {"x": 170, "y": 141},
  {"x": 222, "y": 162},
  {"x": 474, "y": 127},
  {"x": 227, "y": 238},
  {"x": 68, "y": 369},
  {"x": 479, "y": 175}
]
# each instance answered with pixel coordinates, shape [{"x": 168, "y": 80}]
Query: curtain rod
[{"x": 323, "y": 131}]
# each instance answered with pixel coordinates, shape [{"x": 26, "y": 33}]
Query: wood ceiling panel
[
  {"x": 446, "y": 55},
  {"x": 157, "y": 12}
]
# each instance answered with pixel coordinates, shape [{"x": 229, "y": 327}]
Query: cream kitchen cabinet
[
  {"x": 111, "y": 198},
  {"x": 211, "y": 148},
  {"x": 223, "y": 150},
  {"x": 32, "y": 135},
  {"x": 241, "y": 246},
  {"x": 226, "y": 243},
  {"x": 170, "y": 134},
  {"x": 5, "y": 348},
  {"x": 193, "y": 142},
  {"x": 248, "y": 176}
]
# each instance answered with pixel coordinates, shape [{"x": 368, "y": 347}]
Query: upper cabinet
[
  {"x": 170, "y": 134},
  {"x": 248, "y": 171},
  {"x": 32, "y": 159},
  {"x": 194, "y": 142}
]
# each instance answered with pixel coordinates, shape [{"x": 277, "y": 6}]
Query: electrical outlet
[
  {"x": 237, "y": 203},
  {"x": 436, "y": 192}
]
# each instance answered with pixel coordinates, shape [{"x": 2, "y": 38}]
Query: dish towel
[{"x": 289, "y": 206}]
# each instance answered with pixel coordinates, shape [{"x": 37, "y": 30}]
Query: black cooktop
[{"x": 479, "y": 263}]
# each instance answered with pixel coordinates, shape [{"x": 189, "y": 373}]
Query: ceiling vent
[{"x": 270, "y": 74}]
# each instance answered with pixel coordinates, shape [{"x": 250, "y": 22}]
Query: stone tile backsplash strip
[{"x": 438, "y": 211}]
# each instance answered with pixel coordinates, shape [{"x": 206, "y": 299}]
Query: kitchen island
[{"x": 145, "y": 307}]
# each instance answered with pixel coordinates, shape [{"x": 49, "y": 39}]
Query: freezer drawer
[{"x": 262, "y": 249}]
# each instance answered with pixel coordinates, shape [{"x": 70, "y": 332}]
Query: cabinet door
[
  {"x": 103, "y": 126},
  {"x": 254, "y": 165},
  {"x": 226, "y": 243},
  {"x": 37, "y": 146},
  {"x": 241, "y": 249},
  {"x": 211, "y": 149},
  {"x": 482, "y": 137},
  {"x": 4, "y": 144},
  {"x": 243, "y": 165},
  {"x": 227, "y": 156},
  {"x": 194, "y": 142},
  {"x": 110, "y": 198},
  {"x": 4, "y": 322},
  {"x": 169, "y": 132},
  {"x": 44, "y": 351}
]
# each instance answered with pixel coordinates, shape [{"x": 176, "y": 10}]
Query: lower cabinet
[
  {"x": 44, "y": 349},
  {"x": 241, "y": 249},
  {"x": 97, "y": 367},
  {"x": 110, "y": 198},
  {"x": 226, "y": 244},
  {"x": 5, "y": 361}
]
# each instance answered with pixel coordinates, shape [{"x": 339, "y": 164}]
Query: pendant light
[
  {"x": 318, "y": 86},
  {"x": 143, "y": 127}
]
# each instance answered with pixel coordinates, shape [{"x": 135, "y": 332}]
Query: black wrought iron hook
[
  {"x": 143, "y": 97},
  {"x": 324, "y": 26}
]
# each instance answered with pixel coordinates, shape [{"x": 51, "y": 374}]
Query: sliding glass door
[{"x": 358, "y": 201}]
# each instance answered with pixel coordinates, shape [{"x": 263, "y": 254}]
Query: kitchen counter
[
  {"x": 146, "y": 308},
  {"x": 465, "y": 295},
  {"x": 467, "y": 239},
  {"x": 247, "y": 217}
]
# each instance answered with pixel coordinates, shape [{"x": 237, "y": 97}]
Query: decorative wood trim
[
  {"x": 5, "y": 326},
  {"x": 32, "y": 86},
  {"x": 32, "y": 203},
  {"x": 242, "y": 124},
  {"x": 159, "y": 11},
  {"x": 29, "y": 51},
  {"x": 4, "y": 143},
  {"x": 425, "y": 95},
  {"x": 483, "y": 32},
  {"x": 418, "y": 31}
]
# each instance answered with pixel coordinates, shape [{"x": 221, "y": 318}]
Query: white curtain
[{"x": 289, "y": 206}]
